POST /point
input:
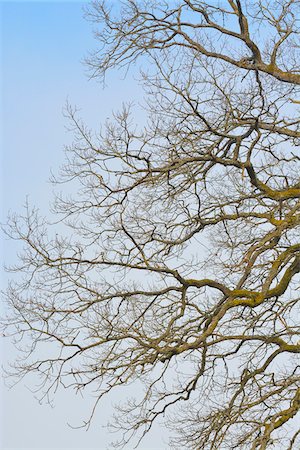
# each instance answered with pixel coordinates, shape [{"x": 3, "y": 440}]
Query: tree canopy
[{"x": 176, "y": 265}]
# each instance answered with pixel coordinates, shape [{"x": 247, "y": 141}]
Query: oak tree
[{"x": 178, "y": 264}]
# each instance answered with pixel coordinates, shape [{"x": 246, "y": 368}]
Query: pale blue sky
[{"x": 42, "y": 46}]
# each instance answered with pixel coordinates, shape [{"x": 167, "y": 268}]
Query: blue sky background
[{"x": 42, "y": 48}]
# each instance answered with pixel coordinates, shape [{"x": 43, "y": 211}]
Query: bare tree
[{"x": 178, "y": 268}]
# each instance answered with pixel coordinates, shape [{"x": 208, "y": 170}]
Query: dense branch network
[{"x": 178, "y": 264}]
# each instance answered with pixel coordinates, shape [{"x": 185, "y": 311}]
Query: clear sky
[{"x": 42, "y": 48}]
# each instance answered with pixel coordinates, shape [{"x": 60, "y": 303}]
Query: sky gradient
[{"x": 42, "y": 48}]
